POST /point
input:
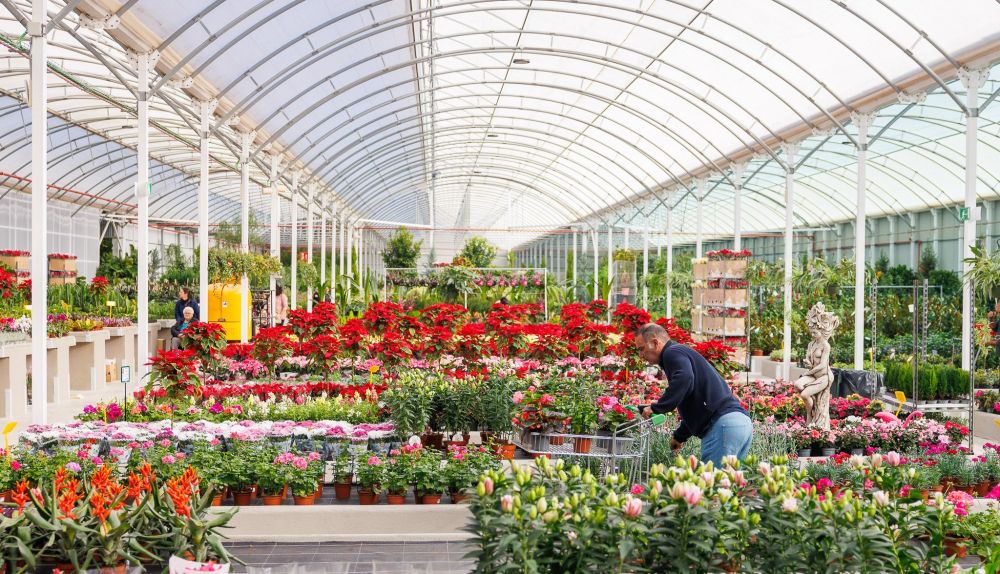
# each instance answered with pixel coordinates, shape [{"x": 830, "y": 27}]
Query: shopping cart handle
[{"x": 658, "y": 420}]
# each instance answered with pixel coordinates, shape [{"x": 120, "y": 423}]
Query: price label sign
[{"x": 126, "y": 373}]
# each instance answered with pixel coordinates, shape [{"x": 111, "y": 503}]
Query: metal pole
[
  {"x": 39, "y": 218},
  {"x": 597, "y": 262},
  {"x": 245, "y": 306},
  {"x": 670, "y": 264},
  {"x": 645, "y": 266},
  {"x": 699, "y": 216},
  {"x": 791, "y": 150},
  {"x": 275, "y": 230},
  {"x": 310, "y": 212},
  {"x": 862, "y": 122},
  {"x": 295, "y": 241},
  {"x": 576, "y": 240},
  {"x": 322, "y": 254},
  {"x": 206, "y": 116},
  {"x": 142, "y": 231},
  {"x": 738, "y": 169},
  {"x": 611, "y": 237},
  {"x": 972, "y": 79},
  {"x": 333, "y": 259}
]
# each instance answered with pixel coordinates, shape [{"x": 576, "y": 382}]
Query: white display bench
[
  {"x": 121, "y": 348},
  {"x": 15, "y": 363},
  {"x": 86, "y": 360}
]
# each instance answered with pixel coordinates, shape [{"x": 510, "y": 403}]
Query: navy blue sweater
[
  {"x": 179, "y": 306},
  {"x": 698, "y": 392}
]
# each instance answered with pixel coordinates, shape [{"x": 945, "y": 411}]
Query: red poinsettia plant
[
  {"x": 206, "y": 340},
  {"x": 14, "y": 253},
  {"x": 270, "y": 345},
  {"x": 322, "y": 352},
  {"x": 628, "y": 317},
  {"x": 99, "y": 284},
  {"x": 176, "y": 373}
]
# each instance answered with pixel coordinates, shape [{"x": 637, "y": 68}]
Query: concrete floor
[{"x": 353, "y": 558}]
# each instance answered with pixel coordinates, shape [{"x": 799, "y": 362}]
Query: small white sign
[{"x": 126, "y": 373}]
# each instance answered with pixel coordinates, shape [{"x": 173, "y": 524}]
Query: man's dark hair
[{"x": 651, "y": 331}]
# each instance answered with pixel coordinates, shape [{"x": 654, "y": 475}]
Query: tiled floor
[{"x": 353, "y": 558}]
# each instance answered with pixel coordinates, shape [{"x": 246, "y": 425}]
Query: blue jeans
[{"x": 731, "y": 434}]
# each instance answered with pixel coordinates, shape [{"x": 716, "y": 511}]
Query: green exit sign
[{"x": 963, "y": 214}]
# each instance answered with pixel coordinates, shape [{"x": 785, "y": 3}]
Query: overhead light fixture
[
  {"x": 492, "y": 135},
  {"x": 521, "y": 61},
  {"x": 476, "y": 172}
]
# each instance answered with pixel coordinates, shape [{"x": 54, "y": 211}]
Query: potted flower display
[
  {"x": 583, "y": 416},
  {"x": 343, "y": 475},
  {"x": 370, "y": 476},
  {"x": 429, "y": 478},
  {"x": 272, "y": 479},
  {"x": 397, "y": 477},
  {"x": 302, "y": 481},
  {"x": 237, "y": 473}
]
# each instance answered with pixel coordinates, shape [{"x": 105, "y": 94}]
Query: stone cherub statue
[{"x": 814, "y": 386}]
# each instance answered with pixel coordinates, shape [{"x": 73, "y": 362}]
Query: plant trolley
[{"x": 625, "y": 450}]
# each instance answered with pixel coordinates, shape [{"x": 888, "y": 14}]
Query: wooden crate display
[
  {"x": 736, "y": 298},
  {"x": 716, "y": 269},
  {"x": 735, "y": 326},
  {"x": 62, "y": 264},
  {"x": 734, "y": 268},
  {"x": 16, "y": 262},
  {"x": 699, "y": 271},
  {"x": 715, "y": 297}
]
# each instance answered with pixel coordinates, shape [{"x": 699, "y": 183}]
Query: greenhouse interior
[{"x": 582, "y": 286}]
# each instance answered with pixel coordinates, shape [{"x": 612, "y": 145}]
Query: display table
[
  {"x": 86, "y": 360},
  {"x": 120, "y": 348},
  {"x": 13, "y": 380}
]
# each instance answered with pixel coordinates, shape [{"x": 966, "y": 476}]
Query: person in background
[
  {"x": 184, "y": 299},
  {"x": 175, "y": 331},
  {"x": 706, "y": 405},
  {"x": 280, "y": 306}
]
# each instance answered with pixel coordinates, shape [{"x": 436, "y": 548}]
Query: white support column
[
  {"x": 990, "y": 207},
  {"x": 293, "y": 297},
  {"x": 310, "y": 213},
  {"x": 333, "y": 258},
  {"x": 936, "y": 237},
  {"x": 322, "y": 252},
  {"x": 611, "y": 269},
  {"x": 206, "y": 109},
  {"x": 142, "y": 64},
  {"x": 39, "y": 217},
  {"x": 738, "y": 169},
  {"x": 791, "y": 151},
  {"x": 699, "y": 216},
  {"x": 914, "y": 263},
  {"x": 670, "y": 262},
  {"x": 275, "y": 222},
  {"x": 342, "y": 247},
  {"x": 645, "y": 265},
  {"x": 892, "y": 240},
  {"x": 862, "y": 122},
  {"x": 597, "y": 261},
  {"x": 246, "y": 140},
  {"x": 972, "y": 79},
  {"x": 576, "y": 240}
]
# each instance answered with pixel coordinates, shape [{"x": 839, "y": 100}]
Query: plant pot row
[
  {"x": 435, "y": 440},
  {"x": 369, "y": 497}
]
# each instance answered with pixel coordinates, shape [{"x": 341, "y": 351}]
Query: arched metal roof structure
[{"x": 512, "y": 113}]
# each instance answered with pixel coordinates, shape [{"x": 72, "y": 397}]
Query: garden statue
[{"x": 814, "y": 386}]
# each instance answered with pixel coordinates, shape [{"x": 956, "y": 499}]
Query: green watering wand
[{"x": 655, "y": 420}]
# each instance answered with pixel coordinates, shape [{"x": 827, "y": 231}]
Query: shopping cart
[{"x": 626, "y": 450}]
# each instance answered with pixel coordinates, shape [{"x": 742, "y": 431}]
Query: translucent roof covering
[{"x": 514, "y": 114}]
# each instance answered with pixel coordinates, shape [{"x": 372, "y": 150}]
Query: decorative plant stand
[{"x": 720, "y": 297}]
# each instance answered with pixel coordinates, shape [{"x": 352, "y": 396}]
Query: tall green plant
[
  {"x": 478, "y": 251},
  {"x": 401, "y": 251}
]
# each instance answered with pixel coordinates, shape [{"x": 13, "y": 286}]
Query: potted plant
[
  {"x": 272, "y": 479},
  {"x": 396, "y": 478},
  {"x": 582, "y": 414},
  {"x": 429, "y": 478},
  {"x": 237, "y": 473},
  {"x": 302, "y": 482},
  {"x": 343, "y": 474},
  {"x": 370, "y": 476}
]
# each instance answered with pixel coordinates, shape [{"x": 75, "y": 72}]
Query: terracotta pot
[
  {"x": 304, "y": 500},
  {"x": 342, "y": 490},
  {"x": 254, "y": 492},
  {"x": 486, "y": 437},
  {"x": 272, "y": 499},
  {"x": 396, "y": 498},
  {"x": 925, "y": 494},
  {"x": 506, "y": 451},
  {"x": 417, "y": 496},
  {"x": 957, "y": 547},
  {"x": 458, "y": 497},
  {"x": 557, "y": 440},
  {"x": 732, "y": 566},
  {"x": 432, "y": 440},
  {"x": 431, "y": 499},
  {"x": 367, "y": 497},
  {"x": 217, "y": 500},
  {"x": 4, "y": 496},
  {"x": 319, "y": 489},
  {"x": 937, "y": 488},
  {"x": 582, "y": 445},
  {"x": 757, "y": 353},
  {"x": 948, "y": 484},
  {"x": 983, "y": 488},
  {"x": 284, "y": 491},
  {"x": 243, "y": 498}
]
